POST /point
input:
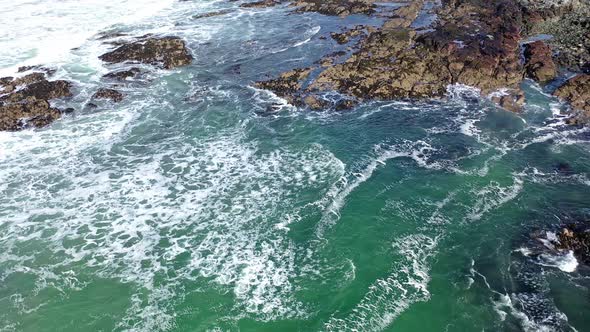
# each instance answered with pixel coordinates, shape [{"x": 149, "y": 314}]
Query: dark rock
[
  {"x": 345, "y": 104},
  {"x": 260, "y": 4},
  {"x": 123, "y": 75},
  {"x": 28, "y": 107},
  {"x": 110, "y": 94},
  {"x": 167, "y": 52},
  {"x": 27, "y": 114},
  {"x": 212, "y": 14},
  {"x": 577, "y": 239}
]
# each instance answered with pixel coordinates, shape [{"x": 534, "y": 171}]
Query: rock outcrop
[
  {"x": 109, "y": 94},
  {"x": 395, "y": 61},
  {"x": 539, "y": 63},
  {"x": 576, "y": 91},
  {"x": 576, "y": 239},
  {"x": 165, "y": 52},
  {"x": 24, "y": 101}
]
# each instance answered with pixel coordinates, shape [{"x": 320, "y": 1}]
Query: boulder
[
  {"x": 165, "y": 52},
  {"x": 110, "y": 94},
  {"x": 26, "y": 114},
  {"x": 25, "y": 102}
]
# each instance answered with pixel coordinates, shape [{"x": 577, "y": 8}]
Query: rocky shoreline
[
  {"x": 482, "y": 44},
  {"x": 489, "y": 45},
  {"x": 25, "y": 102}
]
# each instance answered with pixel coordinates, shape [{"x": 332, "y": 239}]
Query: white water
[{"x": 44, "y": 32}]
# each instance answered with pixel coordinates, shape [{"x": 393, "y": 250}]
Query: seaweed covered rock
[
  {"x": 165, "y": 52},
  {"x": 287, "y": 85}
]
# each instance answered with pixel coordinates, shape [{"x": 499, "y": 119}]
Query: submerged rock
[{"x": 166, "y": 52}]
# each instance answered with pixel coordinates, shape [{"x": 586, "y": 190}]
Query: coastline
[{"x": 236, "y": 166}]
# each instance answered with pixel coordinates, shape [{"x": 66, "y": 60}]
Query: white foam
[
  {"x": 566, "y": 262},
  {"x": 387, "y": 298},
  {"x": 494, "y": 195},
  {"x": 44, "y": 32}
]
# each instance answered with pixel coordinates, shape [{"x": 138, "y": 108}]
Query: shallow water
[{"x": 190, "y": 207}]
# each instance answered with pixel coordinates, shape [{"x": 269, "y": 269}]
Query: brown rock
[
  {"x": 576, "y": 91},
  {"x": 314, "y": 102},
  {"x": 287, "y": 85},
  {"x": 28, "y": 107},
  {"x": 167, "y": 52},
  {"x": 539, "y": 63},
  {"x": 26, "y": 114},
  {"x": 110, "y": 94},
  {"x": 512, "y": 100}
]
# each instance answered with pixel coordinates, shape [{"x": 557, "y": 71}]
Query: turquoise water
[{"x": 203, "y": 204}]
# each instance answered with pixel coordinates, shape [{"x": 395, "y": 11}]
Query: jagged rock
[
  {"x": 577, "y": 239},
  {"x": 336, "y": 7},
  {"x": 345, "y": 36},
  {"x": 539, "y": 63},
  {"x": 212, "y": 14},
  {"x": 167, "y": 52},
  {"x": 43, "y": 89},
  {"x": 260, "y": 4},
  {"x": 46, "y": 70},
  {"x": 394, "y": 62},
  {"x": 25, "y": 104},
  {"x": 286, "y": 85},
  {"x": 26, "y": 114},
  {"x": 511, "y": 100},
  {"x": 576, "y": 91},
  {"x": 314, "y": 102},
  {"x": 123, "y": 75},
  {"x": 110, "y": 94}
]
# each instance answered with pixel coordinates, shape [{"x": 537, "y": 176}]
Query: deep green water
[{"x": 198, "y": 204}]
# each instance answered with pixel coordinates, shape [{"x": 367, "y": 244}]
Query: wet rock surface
[
  {"x": 165, "y": 52},
  {"x": 539, "y": 63},
  {"x": 108, "y": 94},
  {"x": 123, "y": 75},
  {"x": 577, "y": 239},
  {"x": 475, "y": 43},
  {"x": 576, "y": 91},
  {"x": 287, "y": 85},
  {"x": 24, "y": 101}
]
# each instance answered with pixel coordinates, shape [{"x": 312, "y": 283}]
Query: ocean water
[{"x": 203, "y": 204}]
